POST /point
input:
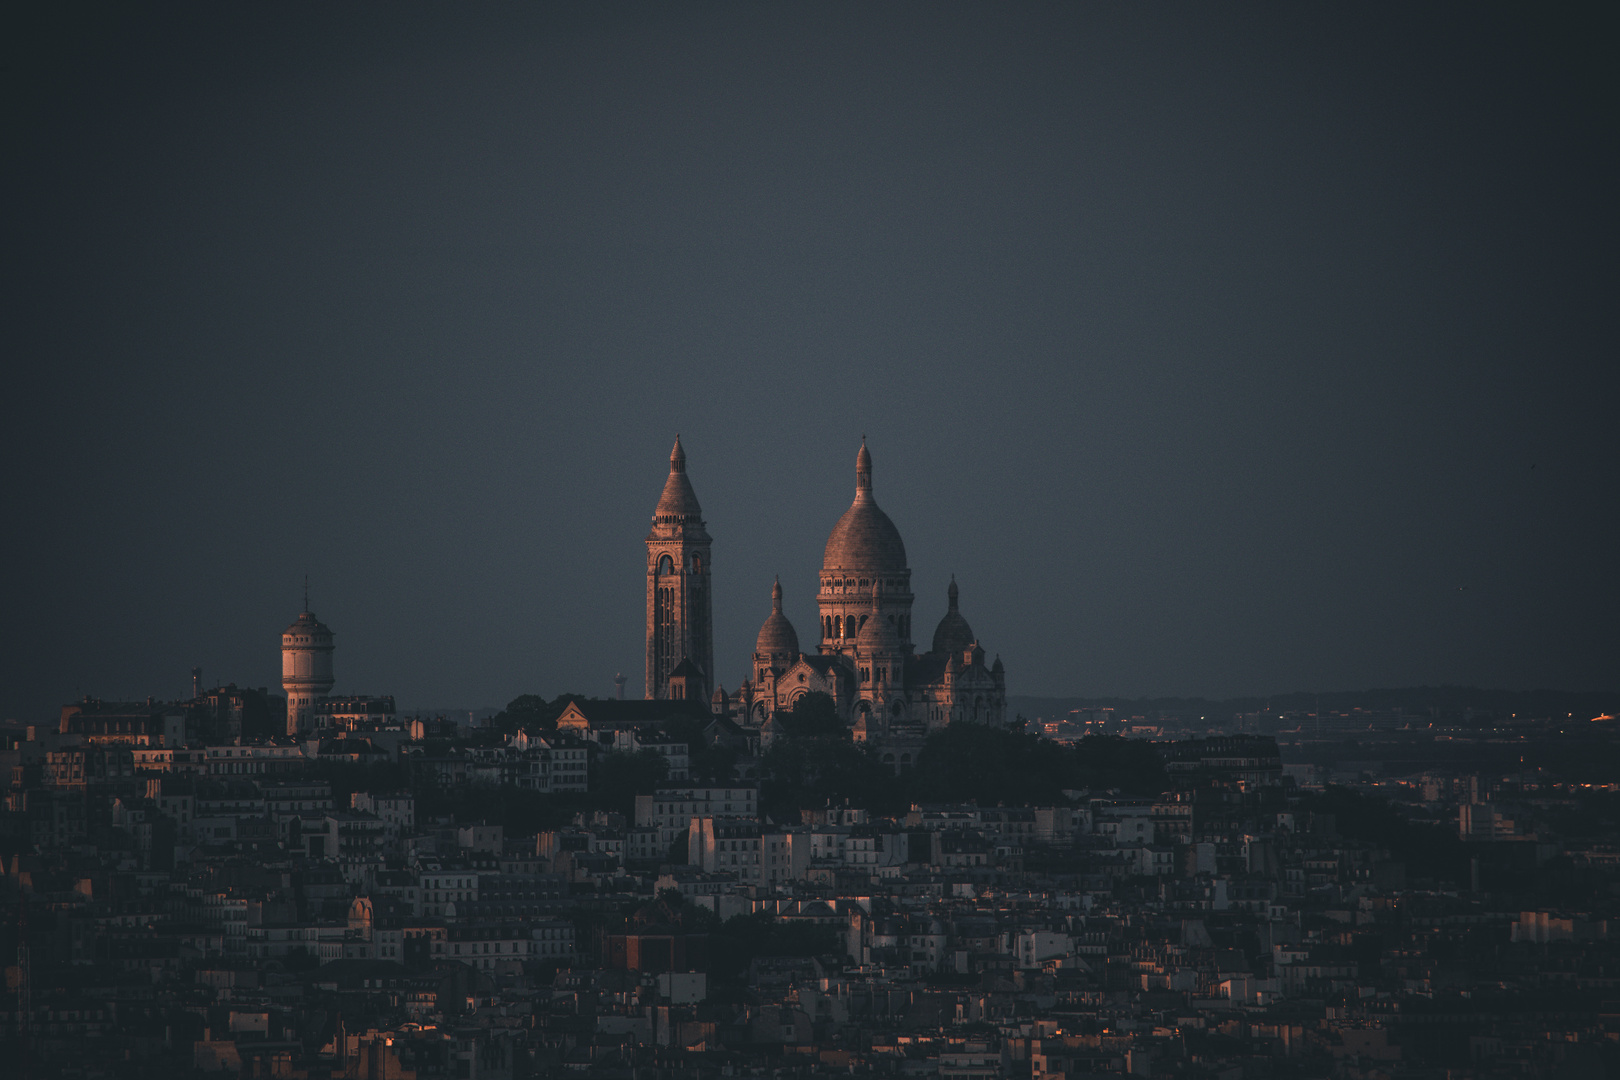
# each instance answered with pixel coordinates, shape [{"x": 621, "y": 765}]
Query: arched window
[
  {"x": 697, "y": 564},
  {"x": 665, "y": 566},
  {"x": 838, "y": 626}
]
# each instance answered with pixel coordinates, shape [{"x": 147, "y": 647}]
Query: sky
[{"x": 1214, "y": 349}]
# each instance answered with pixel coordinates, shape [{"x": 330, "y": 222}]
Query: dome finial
[
  {"x": 677, "y": 456},
  {"x": 951, "y": 593},
  {"x": 863, "y": 469},
  {"x": 776, "y": 594}
]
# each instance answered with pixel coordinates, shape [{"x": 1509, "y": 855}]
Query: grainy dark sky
[{"x": 1215, "y": 350}]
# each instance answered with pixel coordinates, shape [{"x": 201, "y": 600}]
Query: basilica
[{"x": 864, "y": 658}]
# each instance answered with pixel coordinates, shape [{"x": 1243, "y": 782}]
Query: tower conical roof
[{"x": 678, "y": 500}]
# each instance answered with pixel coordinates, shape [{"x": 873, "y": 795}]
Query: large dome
[
  {"x": 864, "y": 540},
  {"x": 777, "y": 638},
  {"x": 953, "y": 633}
]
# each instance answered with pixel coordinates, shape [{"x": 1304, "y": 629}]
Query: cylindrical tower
[{"x": 306, "y": 669}]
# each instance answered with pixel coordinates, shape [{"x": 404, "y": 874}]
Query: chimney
[{"x": 618, "y": 683}]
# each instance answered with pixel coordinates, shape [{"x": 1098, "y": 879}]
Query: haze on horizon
[{"x": 1214, "y": 352}]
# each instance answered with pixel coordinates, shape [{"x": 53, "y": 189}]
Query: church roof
[
  {"x": 686, "y": 670},
  {"x": 678, "y": 499},
  {"x": 953, "y": 633},
  {"x": 864, "y": 538},
  {"x": 819, "y": 663},
  {"x": 599, "y": 714},
  {"x": 777, "y": 637}
]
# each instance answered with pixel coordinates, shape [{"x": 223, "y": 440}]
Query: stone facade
[
  {"x": 306, "y": 669},
  {"x": 865, "y": 659}
]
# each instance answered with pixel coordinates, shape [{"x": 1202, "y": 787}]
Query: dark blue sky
[{"x": 1214, "y": 351}]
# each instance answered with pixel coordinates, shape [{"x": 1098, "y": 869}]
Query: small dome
[
  {"x": 308, "y": 627},
  {"x": 864, "y": 540},
  {"x": 678, "y": 499},
  {"x": 953, "y": 633},
  {"x": 878, "y": 635},
  {"x": 777, "y": 638}
]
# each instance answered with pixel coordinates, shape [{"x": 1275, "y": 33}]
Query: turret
[
  {"x": 778, "y": 643},
  {"x": 306, "y": 668}
]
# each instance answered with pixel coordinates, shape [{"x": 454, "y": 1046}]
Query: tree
[
  {"x": 712, "y": 764},
  {"x": 680, "y": 847},
  {"x": 1108, "y": 761},
  {"x": 618, "y": 777},
  {"x": 989, "y": 766},
  {"x": 802, "y": 773},
  {"x": 523, "y": 711},
  {"x": 531, "y": 712},
  {"x": 708, "y": 764},
  {"x": 816, "y": 714}
]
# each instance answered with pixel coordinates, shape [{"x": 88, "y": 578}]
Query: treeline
[
  {"x": 1453, "y": 704},
  {"x": 814, "y": 765},
  {"x": 962, "y": 763}
]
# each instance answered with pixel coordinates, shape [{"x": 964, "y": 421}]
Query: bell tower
[{"x": 679, "y": 626}]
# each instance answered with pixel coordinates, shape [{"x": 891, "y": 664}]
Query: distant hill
[{"x": 1440, "y": 702}]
